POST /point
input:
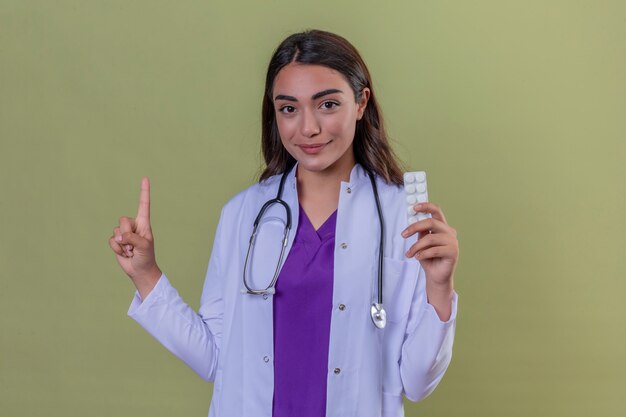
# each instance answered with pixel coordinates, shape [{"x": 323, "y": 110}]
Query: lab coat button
[
  {"x": 342, "y": 307},
  {"x": 266, "y": 359},
  {"x": 344, "y": 246},
  {"x": 348, "y": 190},
  {"x": 337, "y": 370}
]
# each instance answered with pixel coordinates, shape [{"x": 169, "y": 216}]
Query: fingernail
[
  {"x": 118, "y": 238},
  {"x": 417, "y": 206},
  {"x": 405, "y": 233}
]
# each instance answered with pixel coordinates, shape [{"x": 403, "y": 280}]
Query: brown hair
[{"x": 316, "y": 47}]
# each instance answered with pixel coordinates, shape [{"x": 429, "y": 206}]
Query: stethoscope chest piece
[{"x": 379, "y": 316}]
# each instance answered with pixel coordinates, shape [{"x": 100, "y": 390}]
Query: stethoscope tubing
[
  {"x": 377, "y": 312},
  {"x": 277, "y": 200}
]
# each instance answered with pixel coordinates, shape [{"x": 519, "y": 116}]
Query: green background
[{"x": 516, "y": 109}]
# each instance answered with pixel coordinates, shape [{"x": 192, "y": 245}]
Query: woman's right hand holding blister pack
[{"x": 133, "y": 244}]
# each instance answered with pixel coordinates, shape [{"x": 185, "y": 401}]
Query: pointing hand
[{"x": 133, "y": 244}]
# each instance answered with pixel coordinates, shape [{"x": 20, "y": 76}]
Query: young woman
[{"x": 291, "y": 321}]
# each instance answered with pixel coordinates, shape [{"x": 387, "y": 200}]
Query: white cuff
[
  {"x": 137, "y": 306},
  {"x": 431, "y": 313}
]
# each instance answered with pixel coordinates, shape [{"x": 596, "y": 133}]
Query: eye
[
  {"x": 329, "y": 105},
  {"x": 287, "y": 109}
]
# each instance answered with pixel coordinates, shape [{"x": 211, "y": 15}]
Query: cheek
[
  {"x": 343, "y": 128},
  {"x": 286, "y": 129}
]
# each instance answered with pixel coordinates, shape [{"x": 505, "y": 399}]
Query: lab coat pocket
[{"x": 397, "y": 289}]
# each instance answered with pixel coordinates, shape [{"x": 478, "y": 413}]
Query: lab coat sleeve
[
  {"x": 427, "y": 346},
  {"x": 192, "y": 337}
]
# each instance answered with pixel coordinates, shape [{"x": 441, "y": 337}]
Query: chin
[{"x": 313, "y": 165}]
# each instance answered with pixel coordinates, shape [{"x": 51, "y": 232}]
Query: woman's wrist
[
  {"x": 440, "y": 295},
  {"x": 146, "y": 282}
]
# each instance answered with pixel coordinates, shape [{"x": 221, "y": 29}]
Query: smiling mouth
[{"x": 313, "y": 148}]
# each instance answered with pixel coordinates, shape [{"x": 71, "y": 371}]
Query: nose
[{"x": 310, "y": 124}]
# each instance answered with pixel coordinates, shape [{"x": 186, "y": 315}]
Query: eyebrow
[{"x": 314, "y": 97}]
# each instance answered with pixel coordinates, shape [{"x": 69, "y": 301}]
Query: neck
[
  {"x": 326, "y": 182},
  {"x": 318, "y": 191}
]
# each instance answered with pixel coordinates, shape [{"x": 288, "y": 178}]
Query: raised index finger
[{"x": 144, "y": 200}]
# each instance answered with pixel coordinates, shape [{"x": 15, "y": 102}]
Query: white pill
[{"x": 415, "y": 192}]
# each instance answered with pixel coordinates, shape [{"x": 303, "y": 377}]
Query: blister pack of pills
[{"x": 416, "y": 192}]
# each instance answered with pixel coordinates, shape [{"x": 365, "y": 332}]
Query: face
[{"x": 316, "y": 116}]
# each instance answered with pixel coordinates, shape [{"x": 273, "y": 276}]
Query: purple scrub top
[{"x": 302, "y": 312}]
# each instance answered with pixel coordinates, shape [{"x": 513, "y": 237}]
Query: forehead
[{"x": 304, "y": 80}]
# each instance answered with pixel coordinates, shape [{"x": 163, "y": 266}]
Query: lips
[{"x": 313, "y": 148}]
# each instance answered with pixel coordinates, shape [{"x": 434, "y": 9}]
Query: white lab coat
[{"x": 230, "y": 339}]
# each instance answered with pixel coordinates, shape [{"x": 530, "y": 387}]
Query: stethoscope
[{"x": 377, "y": 312}]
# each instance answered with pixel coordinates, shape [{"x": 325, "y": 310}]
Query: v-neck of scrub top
[
  {"x": 308, "y": 232},
  {"x": 302, "y": 313}
]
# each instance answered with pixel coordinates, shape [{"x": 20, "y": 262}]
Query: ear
[{"x": 365, "y": 96}]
